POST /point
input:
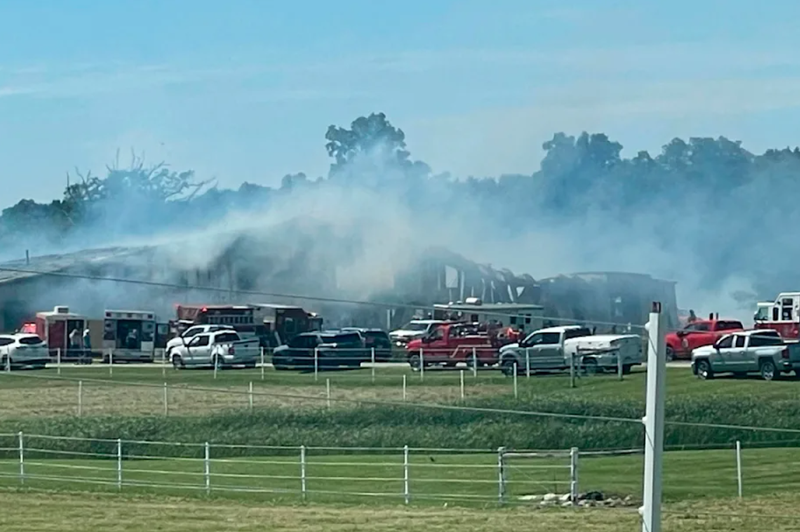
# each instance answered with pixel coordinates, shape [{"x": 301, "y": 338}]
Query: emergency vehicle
[
  {"x": 782, "y": 315},
  {"x": 129, "y": 336},
  {"x": 62, "y": 331}
]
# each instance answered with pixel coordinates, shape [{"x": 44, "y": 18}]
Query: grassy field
[{"x": 55, "y": 512}]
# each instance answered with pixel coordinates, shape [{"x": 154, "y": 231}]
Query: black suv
[{"x": 330, "y": 349}]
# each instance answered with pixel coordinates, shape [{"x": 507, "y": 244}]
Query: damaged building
[{"x": 307, "y": 261}]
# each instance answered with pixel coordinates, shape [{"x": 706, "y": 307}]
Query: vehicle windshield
[
  {"x": 762, "y": 314},
  {"x": 415, "y": 326}
]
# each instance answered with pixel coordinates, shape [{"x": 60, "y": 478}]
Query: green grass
[{"x": 457, "y": 478}]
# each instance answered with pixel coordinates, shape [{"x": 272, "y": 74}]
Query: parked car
[
  {"x": 681, "y": 343},
  {"x": 377, "y": 339},
  {"x": 553, "y": 348},
  {"x": 187, "y": 335},
  {"x": 451, "y": 343},
  {"x": 329, "y": 349},
  {"x": 761, "y": 351},
  {"x": 219, "y": 349},
  {"x": 19, "y": 350}
]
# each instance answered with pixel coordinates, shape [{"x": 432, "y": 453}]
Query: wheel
[
  {"x": 670, "y": 354},
  {"x": 415, "y": 361},
  {"x": 590, "y": 366},
  {"x": 177, "y": 362},
  {"x": 704, "y": 370},
  {"x": 507, "y": 366},
  {"x": 4, "y": 365},
  {"x": 768, "y": 370}
]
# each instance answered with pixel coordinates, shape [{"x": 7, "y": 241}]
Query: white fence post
[
  {"x": 619, "y": 364},
  {"x": 462, "y": 384},
  {"x": 739, "y": 465},
  {"x": 111, "y": 363},
  {"x": 250, "y": 396},
  {"x": 80, "y": 398},
  {"x": 571, "y": 369},
  {"x": 207, "y": 467},
  {"x": 405, "y": 393},
  {"x": 328, "y": 392},
  {"x": 119, "y": 464},
  {"x": 303, "y": 472},
  {"x": 166, "y": 400},
  {"x": 475, "y": 362},
  {"x": 58, "y": 360},
  {"x": 372, "y": 357},
  {"x": 421, "y": 364},
  {"x": 501, "y": 475},
  {"x": 316, "y": 364},
  {"x": 654, "y": 422},
  {"x": 8, "y": 362},
  {"x": 216, "y": 366},
  {"x": 163, "y": 363},
  {"x": 527, "y": 363},
  {"x": 406, "y": 486},
  {"x": 21, "y": 459},
  {"x": 573, "y": 475},
  {"x": 516, "y": 390},
  {"x": 262, "y": 363}
]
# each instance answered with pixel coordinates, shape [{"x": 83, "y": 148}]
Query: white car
[{"x": 17, "y": 350}]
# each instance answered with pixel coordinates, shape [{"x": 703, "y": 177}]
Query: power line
[{"x": 383, "y": 305}]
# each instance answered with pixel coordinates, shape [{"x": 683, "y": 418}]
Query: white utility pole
[{"x": 654, "y": 422}]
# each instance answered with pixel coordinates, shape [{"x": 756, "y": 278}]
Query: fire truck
[
  {"x": 129, "y": 336},
  {"x": 782, "y": 315},
  {"x": 62, "y": 331},
  {"x": 274, "y": 325}
]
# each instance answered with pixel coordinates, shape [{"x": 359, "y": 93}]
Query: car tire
[
  {"x": 768, "y": 370},
  {"x": 507, "y": 366},
  {"x": 670, "y": 354},
  {"x": 415, "y": 361},
  {"x": 704, "y": 370},
  {"x": 177, "y": 362},
  {"x": 4, "y": 363}
]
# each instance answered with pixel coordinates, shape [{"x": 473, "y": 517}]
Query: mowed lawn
[
  {"x": 434, "y": 477},
  {"x": 58, "y": 512}
]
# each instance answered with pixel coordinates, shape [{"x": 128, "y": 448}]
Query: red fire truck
[{"x": 782, "y": 315}]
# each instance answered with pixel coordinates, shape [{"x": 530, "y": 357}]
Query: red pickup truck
[
  {"x": 452, "y": 343},
  {"x": 698, "y": 334}
]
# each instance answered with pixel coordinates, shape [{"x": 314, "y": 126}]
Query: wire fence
[
  {"x": 324, "y": 473},
  {"x": 389, "y": 474}
]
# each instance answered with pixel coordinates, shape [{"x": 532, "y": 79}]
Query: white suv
[{"x": 22, "y": 350}]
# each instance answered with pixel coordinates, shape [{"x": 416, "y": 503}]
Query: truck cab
[
  {"x": 450, "y": 344},
  {"x": 782, "y": 315},
  {"x": 699, "y": 333}
]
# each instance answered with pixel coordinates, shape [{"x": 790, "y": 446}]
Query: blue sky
[{"x": 244, "y": 90}]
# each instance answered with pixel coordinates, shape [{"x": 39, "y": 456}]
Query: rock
[
  {"x": 565, "y": 497},
  {"x": 566, "y": 504},
  {"x": 529, "y": 498},
  {"x": 550, "y": 497}
]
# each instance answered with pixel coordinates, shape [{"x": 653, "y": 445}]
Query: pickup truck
[
  {"x": 681, "y": 343},
  {"x": 221, "y": 349},
  {"x": 760, "y": 351},
  {"x": 413, "y": 330},
  {"x": 191, "y": 332},
  {"x": 451, "y": 343},
  {"x": 554, "y": 348}
]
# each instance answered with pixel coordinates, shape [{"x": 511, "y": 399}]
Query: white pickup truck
[
  {"x": 223, "y": 348},
  {"x": 554, "y": 348},
  {"x": 761, "y": 351},
  {"x": 191, "y": 332}
]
